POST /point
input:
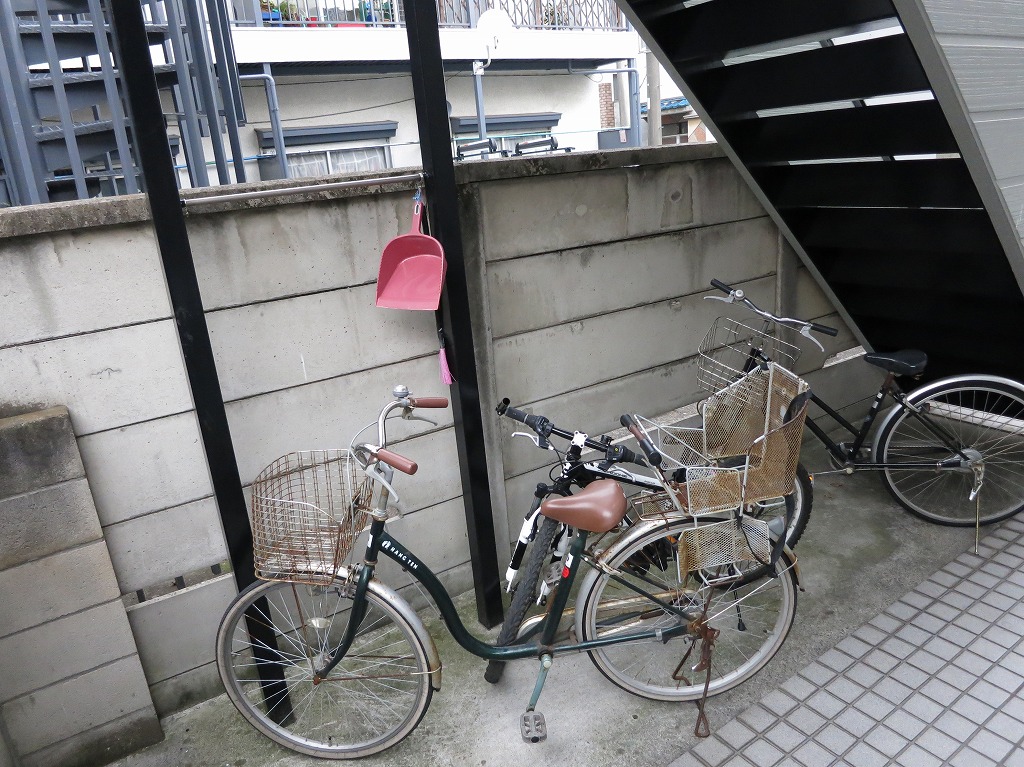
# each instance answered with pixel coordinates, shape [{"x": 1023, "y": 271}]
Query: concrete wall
[
  {"x": 74, "y": 692},
  {"x": 593, "y": 271},
  {"x": 588, "y": 272}
]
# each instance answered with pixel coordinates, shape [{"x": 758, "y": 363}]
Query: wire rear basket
[
  {"x": 307, "y": 510},
  {"x": 718, "y": 545},
  {"x": 729, "y": 348}
]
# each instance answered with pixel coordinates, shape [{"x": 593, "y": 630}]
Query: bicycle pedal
[{"x": 533, "y": 727}]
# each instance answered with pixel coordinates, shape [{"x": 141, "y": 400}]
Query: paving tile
[
  {"x": 892, "y": 691},
  {"x": 929, "y": 623},
  {"x": 1005, "y": 726},
  {"x": 826, "y": 704},
  {"x": 972, "y": 624},
  {"x": 957, "y": 677},
  {"x": 870, "y": 635},
  {"x": 738, "y": 761},
  {"x": 874, "y": 706},
  {"x": 940, "y": 692},
  {"x": 864, "y": 675},
  {"x": 887, "y": 741},
  {"x": 937, "y": 743},
  {"x": 735, "y": 733},
  {"x": 908, "y": 675},
  {"x": 956, "y": 726},
  {"x": 985, "y": 580},
  {"x": 897, "y": 648},
  {"x": 930, "y": 589},
  {"x": 1001, "y": 637},
  {"x": 901, "y": 610},
  {"x": 944, "y": 612},
  {"x": 946, "y": 579},
  {"x": 1004, "y": 678},
  {"x": 957, "y": 569},
  {"x": 1005, "y": 597},
  {"x": 973, "y": 709},
  {"x": 990, "y": 745},
  {"x": 813, "y": 755},
  {"x": 969, "y": 758},
  {"x": 845, "y": 689},
  {"x": 985, "y": 612},
  {"x": 972, "y": 663},
  {"x": 942, "y": 648},
  {"x": 1015, "y": 759},
  {"x": 1011, "y": 623},
  {"x": 854, "y": 647},
  {"x": 989, "y": 694},
  {"x": 785, "y": 736},
  {"x": 906, "y": 725},
  {"x": 917, "y": 600},
  {"x": 834, "y": 738},
  {"x": 927, "y": 662},
  {"x": 836, "y": 660},
  {"x": 987, "y": 649},
  {"x": 855, "y": 722},
  {"x": 713, "y": 751},
  {"x": 862, "y": 755},
  {"x": 799, "y": 687},
  {"x": 880, "y": 660},
  {"x": 805, "y": 720},
  {"x": 817, "y": 674},
  {"x": 960, "y": 601},
  {"x": 922, "y": 707},
  {"x": 762, "y": 753},
  {"x": 958, "y": 636},
  {"x": 885, "y": 623},
  {"x": 758, "y": 718},
  {"x": 778, "y": 702},
  {"x": 915, "y": 756}
]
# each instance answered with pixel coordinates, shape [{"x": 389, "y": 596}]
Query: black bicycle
[{"x": 950, "y": 452}]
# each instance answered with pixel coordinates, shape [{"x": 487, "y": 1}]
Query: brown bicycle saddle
[{"x": 597, "y": 508}]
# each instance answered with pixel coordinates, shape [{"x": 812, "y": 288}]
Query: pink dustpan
[{"x": 412, "y": 269}]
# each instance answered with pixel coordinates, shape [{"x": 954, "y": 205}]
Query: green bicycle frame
[{"x": 381, "y": 541}]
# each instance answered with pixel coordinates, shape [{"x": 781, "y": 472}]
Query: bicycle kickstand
[{"x": 532, "y": 724}]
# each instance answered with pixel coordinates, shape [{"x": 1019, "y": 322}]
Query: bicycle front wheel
[
  {"x": 798, "y": 504},
  {"x": 753, "y": 616},
  {"x": 985, "y": 419},
  {"x": 275, "y": 634}
]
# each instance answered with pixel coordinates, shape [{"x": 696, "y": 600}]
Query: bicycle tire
[
  {"x": 958, "y": 405},
  {"x": 383, "y": 691},
  {"x": 764, "y": 613},
  {"x": 800, "y": 501},
  {"x": 525, "y": 594}
]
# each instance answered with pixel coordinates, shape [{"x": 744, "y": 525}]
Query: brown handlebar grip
[
  {"x": 428, "y": 401},
  {"x": 400, "y": 462}
]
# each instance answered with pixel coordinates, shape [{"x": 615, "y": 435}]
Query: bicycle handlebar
[
  {"x": 738, "y": 295},
  {"x": 545, "y": 428},
  {"x": 653, "y": 456}
]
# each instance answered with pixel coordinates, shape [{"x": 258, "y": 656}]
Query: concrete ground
[{"x": 861, "y": 553}]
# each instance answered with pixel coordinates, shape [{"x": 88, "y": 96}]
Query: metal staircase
[
  {"x": 827, "y": 110},
  {"x": 64, "y": 133}
]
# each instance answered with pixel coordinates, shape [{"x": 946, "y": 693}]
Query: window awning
[{"x": 329, "y": 134}]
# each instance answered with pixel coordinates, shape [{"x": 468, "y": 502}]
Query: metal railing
[{"x": 528, "y": 14}]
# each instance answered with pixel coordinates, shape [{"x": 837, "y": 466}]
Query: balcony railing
[{"x": 528, "y": 14}]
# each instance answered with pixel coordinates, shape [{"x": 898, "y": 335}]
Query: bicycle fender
[
  {"x": 928, "y": 389},
  {"x": 390, "y": 596}
]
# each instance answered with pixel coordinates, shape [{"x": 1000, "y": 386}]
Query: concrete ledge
[
  {"x": 37, "y": 449},
  {"x": 46, "y": 521},
  {"x": 101, "y": 745}
]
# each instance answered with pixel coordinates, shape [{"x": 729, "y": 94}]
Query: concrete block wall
[
  {"x": 74, "y": 691},
  {"x": 593, "y": 271}
]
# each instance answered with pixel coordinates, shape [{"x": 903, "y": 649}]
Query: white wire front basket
[
  {"x": 730, "y": 349},
  {"x": 307, "y": 510}
]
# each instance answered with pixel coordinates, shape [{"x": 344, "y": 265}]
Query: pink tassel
[{"x": 442, "y": 358}]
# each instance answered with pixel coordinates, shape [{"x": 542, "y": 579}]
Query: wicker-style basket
[
  {"x": 307, "y": 509},
  {"x": 730, "y": 349},
  {"x": 717, "y": 545}
]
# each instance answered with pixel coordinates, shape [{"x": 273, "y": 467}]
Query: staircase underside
[{"x": 829, "y": 113}]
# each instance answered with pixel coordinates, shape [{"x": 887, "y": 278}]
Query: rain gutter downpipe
[
  {"x": 275, "y": 118},
  {"x": 634, "y": 94}
]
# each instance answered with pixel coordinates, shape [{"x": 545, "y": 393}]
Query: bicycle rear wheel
[
  {"x": 281, "y": 631},
  {"x": 753, "y": 616},
  {"x": 985, "y": 415}
]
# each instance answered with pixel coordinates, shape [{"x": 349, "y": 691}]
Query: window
[
  {"x": 323, "y": 150},
  {"x": 333, "y": 161}
]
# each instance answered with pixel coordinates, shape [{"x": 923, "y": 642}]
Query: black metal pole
[
  {"x": 442, "y": 200},
  {"x": 154, "y": 156}
]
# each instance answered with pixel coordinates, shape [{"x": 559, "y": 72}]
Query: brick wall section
[
  {"x": 607, "y": 105},
  {"x": 74, "y": 692}
]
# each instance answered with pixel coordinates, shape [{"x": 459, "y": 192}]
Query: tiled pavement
[{"x": 936, "y": 679}]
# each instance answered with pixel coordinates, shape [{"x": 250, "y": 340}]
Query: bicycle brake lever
[
  {"x": 805, "y": 331},
  {"x": 536, "y": 439},
  {"x": 723, "y": 299},
  {"x": 410, "y": 415}
]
